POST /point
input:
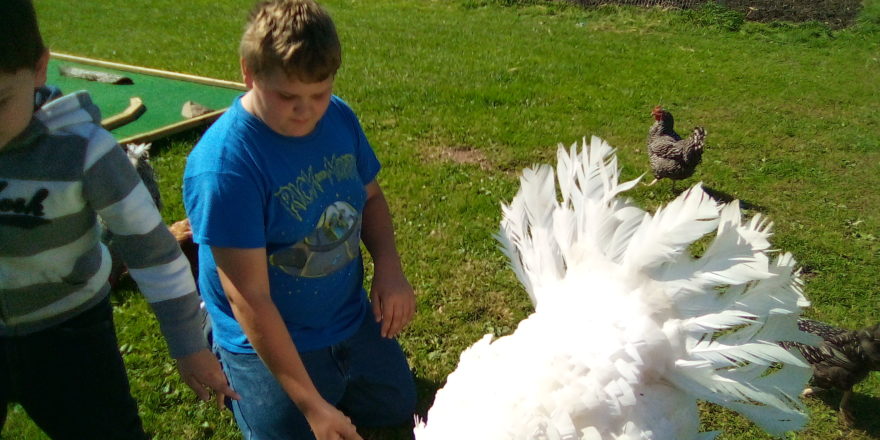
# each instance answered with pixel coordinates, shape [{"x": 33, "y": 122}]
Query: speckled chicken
[
  {"x": 671, "y": 156},
  {"x": 843, "y": 359}
]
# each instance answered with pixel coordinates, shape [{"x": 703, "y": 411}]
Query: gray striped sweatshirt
[{"x": 56, "y": 178}]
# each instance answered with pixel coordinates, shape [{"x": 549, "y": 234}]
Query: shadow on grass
[
  {"x": 668, "y": 190},
  {"x": 724, "y": 197},
  {"x": 864, "y": 409},
  {"x": 124, "y": 289},
  {"x": 425, "y": 389}
]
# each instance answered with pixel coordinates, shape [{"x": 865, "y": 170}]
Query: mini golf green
[{"x": 163, "y": 94}]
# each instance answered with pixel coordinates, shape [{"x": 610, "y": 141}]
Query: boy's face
[
  {"x": 287, "y": 105},
  {"x": 17, "y": 99}
]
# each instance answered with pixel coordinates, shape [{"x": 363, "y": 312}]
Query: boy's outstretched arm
[
  {"x": 202, "y": 372},
  {"x": 393, "y": 299},
  {"x": 245, "y": 279}
]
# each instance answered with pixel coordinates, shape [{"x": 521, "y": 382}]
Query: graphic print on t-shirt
[
  {"x": 297, "y": 196},
  {"x": 334, "y": 243}
]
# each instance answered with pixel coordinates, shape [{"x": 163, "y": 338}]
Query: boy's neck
[{"x": 248, "y": 104}]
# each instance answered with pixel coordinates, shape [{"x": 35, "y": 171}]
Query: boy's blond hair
[{"x": 297, "y": 36}]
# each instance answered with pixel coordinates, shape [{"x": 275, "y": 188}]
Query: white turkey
[{"x": 629, "y": 329}]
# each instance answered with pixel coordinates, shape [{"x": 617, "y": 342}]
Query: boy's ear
[
  {"x": 41, "y": 69},
  {"x": 246, "y": 74}
]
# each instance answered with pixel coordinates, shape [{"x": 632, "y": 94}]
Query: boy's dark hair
[
  {"x": 297, "y": 36},
  {"x": 21, "y": 45}
]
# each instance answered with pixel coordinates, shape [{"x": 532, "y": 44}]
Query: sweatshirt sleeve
[{"x": 154, "y": 259}]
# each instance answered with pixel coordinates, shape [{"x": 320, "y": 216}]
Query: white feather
[
  {"x": 629, "y": 328},
  {"x": 136, "y": 152}
]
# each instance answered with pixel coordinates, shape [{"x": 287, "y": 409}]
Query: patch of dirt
[
  {"x": 835, "y": 13},
  {"x": 459, "y": 155},
  {"x": 661, "y": 3}
]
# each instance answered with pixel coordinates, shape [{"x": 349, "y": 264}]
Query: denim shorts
[
  {"x": 366, "y": 376},
  {"x": 71, "y": 380}
]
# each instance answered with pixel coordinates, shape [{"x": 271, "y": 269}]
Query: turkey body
[
  {"x": 671, "y": 156},
  {"x": 571, "y": 370}
]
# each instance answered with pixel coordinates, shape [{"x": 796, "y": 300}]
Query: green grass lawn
[{"x": 458, "y": 96}]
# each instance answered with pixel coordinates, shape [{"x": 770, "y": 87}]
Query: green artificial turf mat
[{"x": 163, "y": 97}]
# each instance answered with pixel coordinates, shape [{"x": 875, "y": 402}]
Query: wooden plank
[
  {"x": 168, "y": 130},
  {"x": 150, "y": 71}
]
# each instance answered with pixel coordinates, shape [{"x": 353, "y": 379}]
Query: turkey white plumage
[{"x": 629, "y": 329}]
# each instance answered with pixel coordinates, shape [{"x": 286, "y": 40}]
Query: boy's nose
[{"x": 300, "y": 110}]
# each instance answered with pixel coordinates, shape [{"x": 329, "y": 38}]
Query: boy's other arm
[
  {"x": 392, "y": 296},
  {"x": 201, "y": 371},
  {"x": 245, "y": 279}
]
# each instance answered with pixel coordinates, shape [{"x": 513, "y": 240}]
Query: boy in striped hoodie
[{"x": 59, "y": 171}]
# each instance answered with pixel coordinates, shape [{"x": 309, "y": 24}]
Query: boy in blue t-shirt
[{"x": 280, "y": 192}]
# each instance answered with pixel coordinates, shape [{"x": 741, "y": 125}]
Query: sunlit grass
[{"x": 457, "y": 97}]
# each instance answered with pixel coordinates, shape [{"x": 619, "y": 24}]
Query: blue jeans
[
  {"x": 366, "y": 377},
  {"x": 71, "y": 380}
]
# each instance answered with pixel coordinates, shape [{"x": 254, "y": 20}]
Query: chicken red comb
[{"x": 658, "y": 112}]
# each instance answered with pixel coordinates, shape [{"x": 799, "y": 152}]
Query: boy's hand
[
  {"x": 394, "y": 302},
  {"x": 328, "y": 423},
  {"x": 201, "y": 371}
]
